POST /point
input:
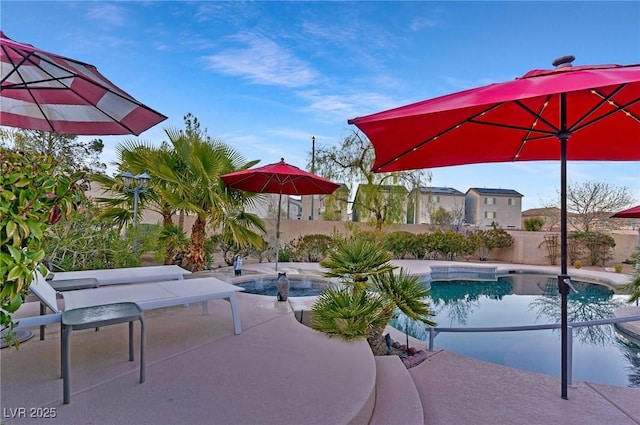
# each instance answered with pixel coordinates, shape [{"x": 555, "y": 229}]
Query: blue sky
[{"x": 267, "y": 76}]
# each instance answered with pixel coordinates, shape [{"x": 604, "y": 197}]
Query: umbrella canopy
[
  {"x": 48, "y": 92},
  {"x": 279, "y": 178},
  {"x": 633, "y": 212},
  {"x": 576, "y": 113}
]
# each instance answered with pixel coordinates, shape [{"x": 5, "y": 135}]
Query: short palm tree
[{"x": 369, "y": 295}]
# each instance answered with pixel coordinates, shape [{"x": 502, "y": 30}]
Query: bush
[
  {"x": 398, "y": 243},
  {"x": 598, "y": 246},
  {"x": 82, "y": 242},
  {"x": 577, "y": 264},
  {"x": 533, "y": 224},
  {"x": 310, "y": 248}
]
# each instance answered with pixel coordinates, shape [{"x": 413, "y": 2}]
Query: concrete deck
[{"x": 276, "y": 372}]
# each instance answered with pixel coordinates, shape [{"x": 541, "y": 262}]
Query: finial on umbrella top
[
  {"x": 564, "y": 61},
  {"x": 282, "y": 160}
]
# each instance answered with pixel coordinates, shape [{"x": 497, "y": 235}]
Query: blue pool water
[{"x": 599, "y": 353}]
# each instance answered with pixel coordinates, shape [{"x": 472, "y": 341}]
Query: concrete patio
[{"x": 280, "y": 372}]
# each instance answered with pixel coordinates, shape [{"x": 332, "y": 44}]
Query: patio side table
[{"x": 98, "y": 316}]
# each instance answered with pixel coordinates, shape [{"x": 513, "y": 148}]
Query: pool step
[{"x": 397, "y": 399}]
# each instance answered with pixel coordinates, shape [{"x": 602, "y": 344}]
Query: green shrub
[
  {"x": 533, "y": 224},
  {"x": 311, "y": 248},
  {"x": 398, "y": 243}
]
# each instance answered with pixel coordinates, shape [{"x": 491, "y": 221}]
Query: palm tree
[
  {"x": 192, "y": 184},
  {"x": 185, "y": 177},
  {"x": 370, "y": 292}
]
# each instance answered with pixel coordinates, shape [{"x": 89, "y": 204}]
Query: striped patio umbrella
[{"x": 48, "y": 92}]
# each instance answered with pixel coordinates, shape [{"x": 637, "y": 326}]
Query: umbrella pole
[
  {"x": 278, "y": 229},
  {"x": 563, "y": 287}
]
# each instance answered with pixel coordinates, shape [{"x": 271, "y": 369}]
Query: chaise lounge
[
  {"x": 148, "y": 296},
  {"x": 123, "y": 275}
]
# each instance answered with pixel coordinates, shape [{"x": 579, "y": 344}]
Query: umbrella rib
[
  {"x": 607, "y": 99},
  {"x": 17, "y": 71}
]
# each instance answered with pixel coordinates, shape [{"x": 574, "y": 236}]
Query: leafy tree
[
  {"x": 35, "y": 191},
  {"x": 350, "y": 163},
  {"x": 67, "y": 150},
  {"x": 590, "y": 202}
]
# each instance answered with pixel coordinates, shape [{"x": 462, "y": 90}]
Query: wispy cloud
[
  {"x": 419, "y": 24},
  {"x": 107, "y": 14},
  {"x": 332, "y": 107},
  {"x": 262, "y": 61}
]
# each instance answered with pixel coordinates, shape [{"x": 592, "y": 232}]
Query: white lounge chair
[
  {"x": 125, "y": 275},
  {"x": 147, "y": 295}
]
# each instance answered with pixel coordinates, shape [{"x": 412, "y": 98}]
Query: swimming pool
[{"x": 599, "y": 353}]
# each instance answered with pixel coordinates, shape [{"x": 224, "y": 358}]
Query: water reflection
[
  {"x": 631, "y": 353},
  {"x": 517, "y": 300},
  {"x": 591, "y": 302},
  {"x": 460, "y": 298}
]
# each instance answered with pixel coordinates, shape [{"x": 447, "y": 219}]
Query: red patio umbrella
[
  {"x": 279, "y": 178},
  {"x": 633, "y": 212},
  {"x": 566, "y": 113},
  {"x": 48, "y": 92}
]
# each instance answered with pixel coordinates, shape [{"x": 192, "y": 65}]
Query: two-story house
[
  {"x": 483, "y": 207},
  {"x": 427, "y": 203},
  {"x": 331, "y": 207}
]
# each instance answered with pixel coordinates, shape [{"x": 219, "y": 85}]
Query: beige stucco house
[
  {"x": 426, "y": 201},
  {"x": 483, "y": 207}
]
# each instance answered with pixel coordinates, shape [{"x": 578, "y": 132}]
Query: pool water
[
  {"x": 600, "y": 354},
  {"x": 299, "y": 287}
]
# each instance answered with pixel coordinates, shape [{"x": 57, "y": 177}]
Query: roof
[
  {"x": 441, "y": 190},
  {"x": 498, "y": 192}
]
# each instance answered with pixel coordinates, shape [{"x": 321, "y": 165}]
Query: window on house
[
  {"x": 511, "y": 201},
  {"x": 434, "y": 199},
  {"x": 489, "y": 201},
  {"x": 489, "y": 214}
]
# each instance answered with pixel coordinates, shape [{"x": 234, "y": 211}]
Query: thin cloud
[
  {"x": 262, "y": 61},
  {"x": 419, "y": 24},
  {"x": 108, "y": 14}
]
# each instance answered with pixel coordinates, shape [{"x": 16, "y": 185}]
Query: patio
[{"x": 277, "y": 372}]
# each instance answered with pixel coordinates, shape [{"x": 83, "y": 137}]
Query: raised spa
[{"x": 301, "y": 286}]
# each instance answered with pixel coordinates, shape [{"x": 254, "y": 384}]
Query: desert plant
[
  {"x": 370, "y": 292},
  {"x": 577, "y": 264},
  {"x": 617, "y": 268}
]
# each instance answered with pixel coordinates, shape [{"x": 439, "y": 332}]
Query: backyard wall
[{"x": 528, "y": 247}]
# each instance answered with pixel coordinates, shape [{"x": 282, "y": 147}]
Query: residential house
[
  {"x": 424, "y": 202},
  {"x": 331, "y": 207},
  {"x": 483, "y": 207}
]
